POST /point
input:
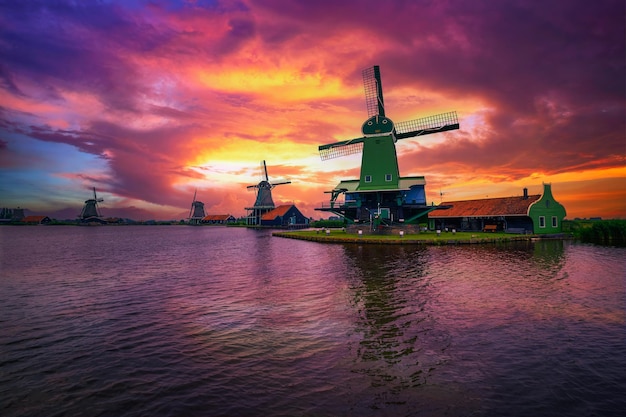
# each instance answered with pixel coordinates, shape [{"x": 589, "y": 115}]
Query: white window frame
[
  {"x": 368, "y": 178},
  {"x": 388, "y": 177},
  {"x": 555, "y": 221},
  {"x": 542, "y": 222}
]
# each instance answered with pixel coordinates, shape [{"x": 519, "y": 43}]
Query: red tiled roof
[
  {"x": 278, "y": 211},
  {"x": 33, "y": 219},
  {"x": 504, "y": 206},
  {"x": 216, "y": 217}
]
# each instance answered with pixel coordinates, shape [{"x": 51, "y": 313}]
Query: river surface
[{"x": 217, "y": 321}]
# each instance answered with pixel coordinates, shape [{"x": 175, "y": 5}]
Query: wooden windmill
[
  {"x": 196, "y": 212},
  {"x": 263, "y": 202},
  {"x": 90, "y": 212},
  {"x": 381, "y": 194}
]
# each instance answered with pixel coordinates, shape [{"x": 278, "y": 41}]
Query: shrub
[
  {"x": 328, "y": 223},
  {"x": 605, "y": 232}
]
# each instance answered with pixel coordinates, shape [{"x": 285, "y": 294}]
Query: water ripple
[{"x": 174, "y": 321}]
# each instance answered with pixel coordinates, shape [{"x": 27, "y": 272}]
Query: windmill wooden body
[
  {"x": 263, "y": 202},
  {"x": 381, "y": 195}
]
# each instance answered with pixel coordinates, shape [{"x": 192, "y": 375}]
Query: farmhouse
[
  {"x": 286, "y": 215},
  {"x": 536, "y": 214}
]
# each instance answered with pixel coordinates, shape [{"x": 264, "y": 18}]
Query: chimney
[{"x": 525, "y": 193}]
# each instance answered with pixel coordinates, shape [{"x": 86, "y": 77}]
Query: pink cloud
[{"x": 139, "y": 86}]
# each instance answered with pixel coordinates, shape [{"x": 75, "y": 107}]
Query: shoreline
[{"x": 460, "y": 238}]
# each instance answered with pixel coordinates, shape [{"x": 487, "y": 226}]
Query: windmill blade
[
  {"x": 249, "y": 187},
  {"x": 95, "y": 197},
  {"x": 427, "y": 125},
  {"x": 194, "y": 200},
  {"x": 373, "y": 91},
  {"x": 274, "y": 184},
  {"x": 343, "y": 148},
  {"x": 265, "y": 170}
]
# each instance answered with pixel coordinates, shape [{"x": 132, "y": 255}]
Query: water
[{"x": 216, "y": 321}]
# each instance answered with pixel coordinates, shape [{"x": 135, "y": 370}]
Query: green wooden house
[{"x": 546, "y": 213}]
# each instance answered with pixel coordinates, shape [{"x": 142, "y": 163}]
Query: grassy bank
[{"x": 424, "y": 238}]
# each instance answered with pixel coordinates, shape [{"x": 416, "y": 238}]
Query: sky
[{"x": 152, "y": 101}]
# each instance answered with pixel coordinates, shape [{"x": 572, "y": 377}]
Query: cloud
[{"x": 175, "y": 95}]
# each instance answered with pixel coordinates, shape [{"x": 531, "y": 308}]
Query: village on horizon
[{"x": 381, "y": 200}]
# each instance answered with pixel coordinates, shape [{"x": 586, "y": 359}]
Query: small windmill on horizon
[
  {"x": 90, "y": 213},
  {"x": 196, "y": 212},
  {"x": 263, "y": 202}
]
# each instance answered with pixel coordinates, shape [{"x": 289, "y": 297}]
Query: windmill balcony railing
[{"x": 334, "y": 204}]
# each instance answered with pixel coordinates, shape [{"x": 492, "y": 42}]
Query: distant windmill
[
  {"x": 196, "y": 212},
  {"x": 380, "y": 193},
  {"x": 264, "y": 201},
  {"x": 90, "y": 212}
]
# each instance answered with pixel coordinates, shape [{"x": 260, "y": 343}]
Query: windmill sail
[
  {"x": 267, "y": 178},
  {"x": 343, "y": 148},
  {"x": 373, "y": 91},
  {"x": 427, "y": 125},
  {"x": 192, "y": 203}
]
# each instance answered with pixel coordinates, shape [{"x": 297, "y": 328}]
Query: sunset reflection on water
[{"x": 230, "y": 321}]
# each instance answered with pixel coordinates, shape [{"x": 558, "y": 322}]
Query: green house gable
[{"x": 546, "y": 213}]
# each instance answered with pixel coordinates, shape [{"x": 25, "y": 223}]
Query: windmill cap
[{"x": 377, "y": 125}]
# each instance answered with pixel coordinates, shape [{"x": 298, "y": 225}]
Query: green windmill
[{"x": 381, "y": 195}]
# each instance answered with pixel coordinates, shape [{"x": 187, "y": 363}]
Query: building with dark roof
[
  {"x": 286, "y": 215},
  {"x": 537, "y": 214},
  {"x": 218, "y": 219}
]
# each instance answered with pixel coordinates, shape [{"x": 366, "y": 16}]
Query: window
[
  {"x": 554, "y": 221},
  {"x": 368, "y": 178},
  {"x": 542, "y": 221},
  {"x": 388, "y": 177}
]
